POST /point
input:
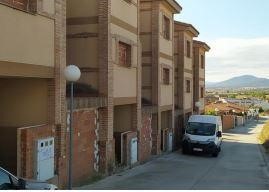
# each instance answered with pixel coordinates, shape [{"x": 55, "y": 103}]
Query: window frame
[
  {"x": 166, "y": 27},
  {"x": 166, "y": 76},
  {"x": 128, "y": 54},
  {"x": 188, "y": 86}
]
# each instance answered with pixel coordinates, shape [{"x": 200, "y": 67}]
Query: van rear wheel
[
  {"x": 215, "y": 154},
  {"x": 184, "y": 150}
]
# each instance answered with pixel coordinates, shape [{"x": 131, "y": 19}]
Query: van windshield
[{"x": 204, "y": 129}]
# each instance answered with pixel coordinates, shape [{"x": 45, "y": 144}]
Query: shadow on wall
[{"x": 81, "y": 90}]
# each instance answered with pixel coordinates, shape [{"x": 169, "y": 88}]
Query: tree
[{"x": 261, "y": 110}]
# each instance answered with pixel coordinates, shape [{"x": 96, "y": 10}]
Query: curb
[{"x": 265, "y": 157}]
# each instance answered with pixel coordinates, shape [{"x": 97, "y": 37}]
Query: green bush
[
  {"x": 264, "y": 136},
  {"x": 210, "y": 112},
  {"x": 261, "y": 110}
]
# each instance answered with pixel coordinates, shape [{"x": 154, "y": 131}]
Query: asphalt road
[{"x": 240, "y": 165}]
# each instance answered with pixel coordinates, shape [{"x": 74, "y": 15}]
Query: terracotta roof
[{"x": 224, "y": 107}]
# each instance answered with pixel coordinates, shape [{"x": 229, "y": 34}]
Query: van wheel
[
  {"x": 184, "y": 150},
  {"x": 215, "y": 154}
]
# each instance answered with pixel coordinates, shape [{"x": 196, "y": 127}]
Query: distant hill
[{"x": 240, "y": 82}]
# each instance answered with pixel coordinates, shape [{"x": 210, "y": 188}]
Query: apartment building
[
  {"x": 199, "y": 50},
  {"x": 103, "y": 41},
  {"x": 138, "y": 85},
  {"x": 156, "y": 34},
  {"x": 183, "y": 89},
  {"x": 32, "y": 98}
]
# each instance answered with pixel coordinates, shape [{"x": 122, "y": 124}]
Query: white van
[{"x": 203, "y": 133}]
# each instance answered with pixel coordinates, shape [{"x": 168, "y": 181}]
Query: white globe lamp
[{"x": 72, "y": 73}]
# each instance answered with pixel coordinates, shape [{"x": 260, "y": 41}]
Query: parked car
[
  {"x": 9, "y": 181},
  {"x": 203, "y": 133}
]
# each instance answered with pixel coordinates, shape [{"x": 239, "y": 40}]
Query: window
[
  {"x": 188, "y": 49},
  {"x": 4, "y": 181},
  {"x": 166, "y": 76},
  {"x": 202, "y": 92},
  {"x": 166, "y": 27},
  {"x": 188, "y": 86},
  {"x": 124, "y": 54},
  {"x": 202, "y": 62}
]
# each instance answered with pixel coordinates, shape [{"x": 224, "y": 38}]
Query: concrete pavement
[{"x": 240, "y": 165}]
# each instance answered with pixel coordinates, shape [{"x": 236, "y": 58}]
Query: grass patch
[{"x": 264, "y": 136}]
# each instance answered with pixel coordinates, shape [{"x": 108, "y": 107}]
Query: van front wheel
[{"x": 216, "y": 153}]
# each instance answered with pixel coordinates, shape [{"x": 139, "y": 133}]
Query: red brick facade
[
  {"x": 56, "y": 126},
  {"x": 228, "y": 122},
  {"x": 27, "y": 138},
  {"x": 145, "y": 141},
  {"x": 85, "y": 145},
  {"x": 94, "y": 140}
]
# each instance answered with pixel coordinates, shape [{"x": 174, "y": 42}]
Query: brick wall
[
  {"x": 227, "y": 122},
  {"x": 106, "y": 142},
  {"x": 58, "y": 106},
  {"x": 26, "y": 147},
  {"x": 145, "y": 140},
  {"x": 85, "y": 145},
  {"x": 178, "y": 134}
]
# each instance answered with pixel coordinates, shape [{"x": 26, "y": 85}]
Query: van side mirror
[{"x": 219, "y": 134}]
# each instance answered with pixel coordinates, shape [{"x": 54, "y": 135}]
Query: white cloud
[{"x": 230, "y": 57}]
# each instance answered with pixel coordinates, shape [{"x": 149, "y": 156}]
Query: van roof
[{"x": 204, "y": 118}]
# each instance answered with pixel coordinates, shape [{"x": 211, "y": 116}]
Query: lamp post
[{"x": 72, "y": 74}]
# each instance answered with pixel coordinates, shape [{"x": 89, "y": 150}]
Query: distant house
[{"x": 224, "y": 108}]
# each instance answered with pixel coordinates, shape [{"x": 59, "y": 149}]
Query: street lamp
[{"x": 72, "y": 74}]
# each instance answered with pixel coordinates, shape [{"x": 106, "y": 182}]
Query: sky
[{"x": 237, "y": 32}]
